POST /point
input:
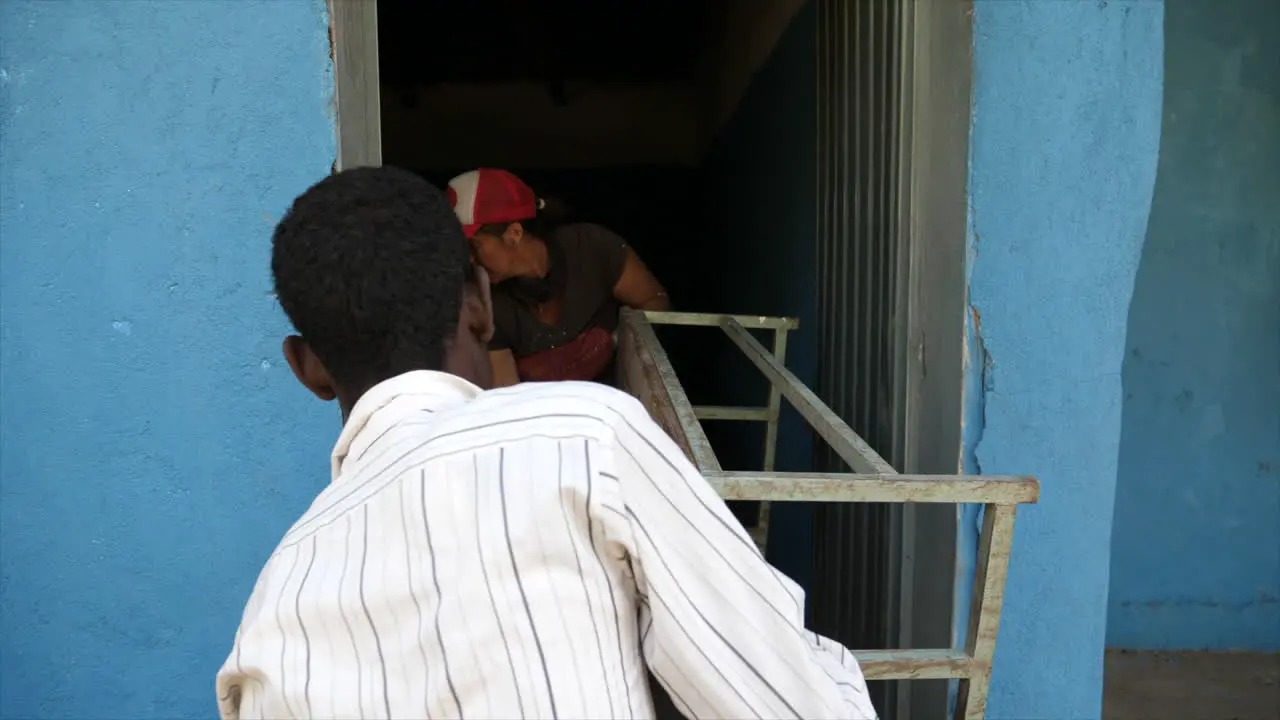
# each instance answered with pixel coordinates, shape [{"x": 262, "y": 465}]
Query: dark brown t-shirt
[{"x": 586, "y": 262}]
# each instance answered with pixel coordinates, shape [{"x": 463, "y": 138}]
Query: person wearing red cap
[{"x": 557, "y": 289}]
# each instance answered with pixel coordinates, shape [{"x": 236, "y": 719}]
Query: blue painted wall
[
  {"x": 1196, "y": 547},
  {"x": 153, "y": 445},
  {"x": 760, "y": 187},
  {"x": 1064, "y": 140}
]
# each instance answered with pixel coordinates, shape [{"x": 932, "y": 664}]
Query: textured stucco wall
[
  {"x": 153, "y": 445},
  {"x": 1064, "y": 140},
  {"x": 1196, "y": 544}
]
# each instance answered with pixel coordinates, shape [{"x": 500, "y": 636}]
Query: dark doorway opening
[{"x": 743, "y": 149}]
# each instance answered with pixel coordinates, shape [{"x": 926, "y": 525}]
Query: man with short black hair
[{"x": 525, "y": 552}]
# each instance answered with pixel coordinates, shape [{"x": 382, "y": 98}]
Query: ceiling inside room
[
  {"x": 505, "y": 41},
  {"x": 565, "y": 83}
]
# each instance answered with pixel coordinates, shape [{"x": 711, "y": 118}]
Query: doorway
[{"x": 624, "y": 111}]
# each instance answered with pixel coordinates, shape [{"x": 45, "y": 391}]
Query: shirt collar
[{"x": 390, "y": 400}]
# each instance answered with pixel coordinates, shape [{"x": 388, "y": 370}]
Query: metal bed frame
[{"x": 645, "y": 372}]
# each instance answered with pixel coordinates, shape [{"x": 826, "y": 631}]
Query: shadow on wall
[
  {"x": 1196, "y": 540},
  {"x": 760, "y": 193}
]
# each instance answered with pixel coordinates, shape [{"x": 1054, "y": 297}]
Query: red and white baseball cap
[{"x": 485, "y": 196}]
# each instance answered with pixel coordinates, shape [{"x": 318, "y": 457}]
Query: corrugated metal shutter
[{"x": 862, "y": 258}]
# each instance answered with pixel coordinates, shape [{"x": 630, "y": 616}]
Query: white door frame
[
  {"x": 353, "y": 37},
  {"x": 938, "y": 89}
]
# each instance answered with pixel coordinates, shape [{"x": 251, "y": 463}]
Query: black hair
[
  {"x": 370, "y": 266},
  {"x": 551, "y": 215}
]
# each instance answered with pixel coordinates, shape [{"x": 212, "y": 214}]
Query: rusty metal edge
[
  {"x": 758, "y": 322},
  {"x": 726, "y": 412},
  {"x": 874, "y": 487},
  {"x": 994, "y": 548},
  {"x": 923, "y": 664},
  {"x": 651, "y": 353}
]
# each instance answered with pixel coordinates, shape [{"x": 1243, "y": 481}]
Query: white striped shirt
[{"x": 529, "y": 552}]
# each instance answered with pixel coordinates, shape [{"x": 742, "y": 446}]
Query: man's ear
[
  {"x": 478, "y": 307},
  {"x": 312, "y": 373},
  {"x": 514, "y": 234}
]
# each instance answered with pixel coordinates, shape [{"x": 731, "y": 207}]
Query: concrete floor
[{"x": 1191, "y": 686}]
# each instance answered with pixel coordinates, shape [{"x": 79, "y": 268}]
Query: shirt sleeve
[
  {"x": 503, "y": 320},
  {"x": 608, "y": 251},
  {"x": 237, "y": 691},
  {"x": 722, "y": 630},
  {"x": 498, "y": 341}
]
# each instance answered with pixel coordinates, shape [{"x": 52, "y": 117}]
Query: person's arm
[
  {"x": 505, "y": 373},
  {"x": 638, "y": 288},
  {"x": 501, "y": 357},
  {"x": 623, "y": 273},
  {"x": 722, "y": 631}
]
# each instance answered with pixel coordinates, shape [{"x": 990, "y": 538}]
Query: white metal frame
[{"x": 645, "y": 371}]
